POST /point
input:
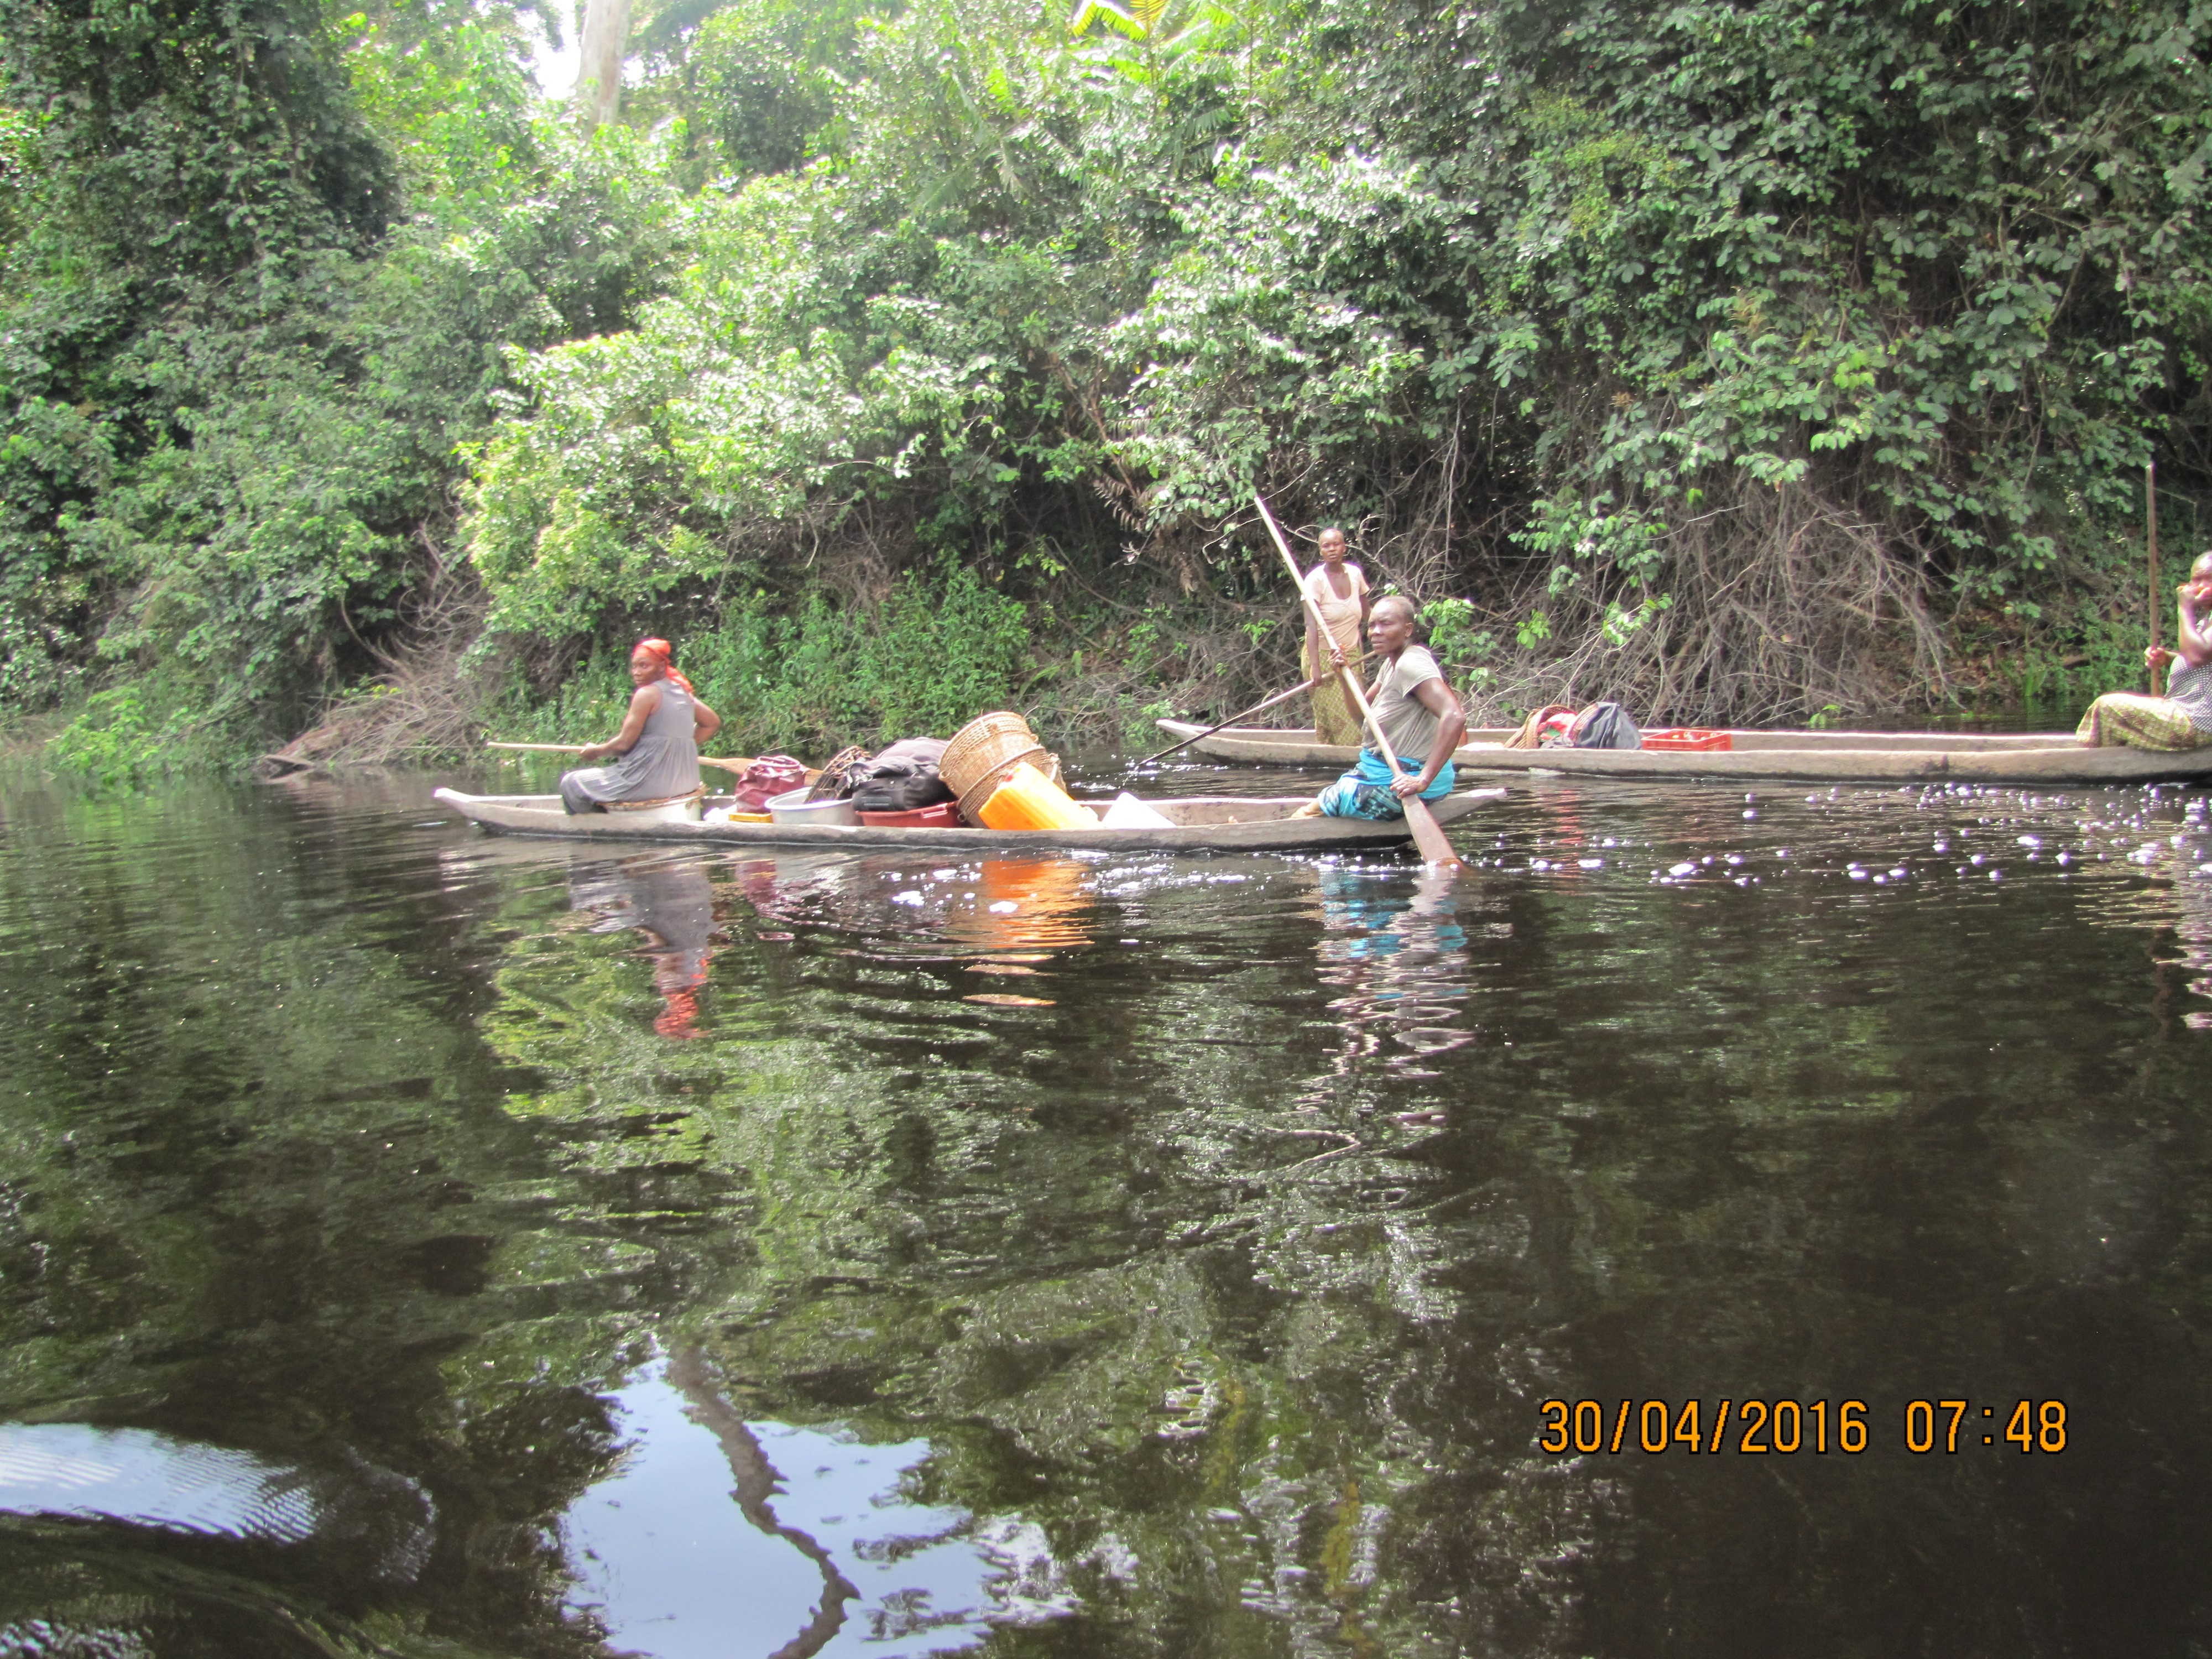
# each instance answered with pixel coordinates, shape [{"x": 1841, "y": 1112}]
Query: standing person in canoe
[
  {"x": 1339, "y": 593},
  {"x": 1418, "y": 713},
  {"x": 659, "y": 742},
  {"x": 2182, "y": 719}
]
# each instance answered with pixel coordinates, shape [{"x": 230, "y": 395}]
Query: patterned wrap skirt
[
  {"x": 1366, "y": 792},
  {"x": 2141, "y": 722}
]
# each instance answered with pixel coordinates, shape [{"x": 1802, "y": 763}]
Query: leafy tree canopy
[{"x": 1739, "y": 359}]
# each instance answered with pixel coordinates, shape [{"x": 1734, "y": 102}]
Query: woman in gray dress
[{"x": 659, "y": 742}]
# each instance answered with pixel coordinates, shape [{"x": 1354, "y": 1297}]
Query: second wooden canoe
[{"x": 2036, "y": 757}]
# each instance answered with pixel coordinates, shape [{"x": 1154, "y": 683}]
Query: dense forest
[{"x": 1737, "y": 358}]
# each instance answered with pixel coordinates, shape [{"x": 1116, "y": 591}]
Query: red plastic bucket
[{"x": 944, "y": 815}]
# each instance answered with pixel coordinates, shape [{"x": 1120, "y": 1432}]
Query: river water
[{"x": 416, "y": 1243}]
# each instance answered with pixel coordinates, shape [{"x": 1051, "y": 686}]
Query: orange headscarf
[{"x": 663, "y": 653}]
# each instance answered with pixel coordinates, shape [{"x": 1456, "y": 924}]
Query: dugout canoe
[
  {"x": 2039, "y": 757},
  {"x": 1201, "y": 823}
]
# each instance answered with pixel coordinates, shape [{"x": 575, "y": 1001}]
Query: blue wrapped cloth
[{"x": 1365, "y": 792}]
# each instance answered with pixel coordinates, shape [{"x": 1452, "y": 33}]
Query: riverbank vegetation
[{"x": 1740, "y": 360}]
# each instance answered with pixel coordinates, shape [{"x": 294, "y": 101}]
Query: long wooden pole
[
  {"x": 1428, "y": 833},
  {"x": 1245, "y": 713},
  {"x": 2157, "y": 606}
]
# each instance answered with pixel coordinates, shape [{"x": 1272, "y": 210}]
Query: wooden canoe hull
[
  {"x": 1210, "y": 823},
  {"x": 2050, "y": 758}
]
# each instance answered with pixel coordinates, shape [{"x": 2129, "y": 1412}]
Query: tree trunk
[{"x": 598, "y": 77}]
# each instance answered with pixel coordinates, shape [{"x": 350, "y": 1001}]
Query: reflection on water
[
  {"x": 1144, "y": 1256},
  {"x": 911, "y": 906},
  {"x": 1400, "y": 960},
  {"x": 817, "y": 1548},
  {"x": 1023, "y": 904},
  {"x": 671, "y": 904},
  {"x": 133, "y": 1478}
]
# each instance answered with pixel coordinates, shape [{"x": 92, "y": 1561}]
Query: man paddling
[{"x": 1419, "y": 714}]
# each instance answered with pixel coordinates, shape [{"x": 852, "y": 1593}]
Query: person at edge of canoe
[
  {"x": 659, "y": 742},
  {"x": 2182, "y": 719},
  {"x": 1419, "y": 714},
  {"x": 1338, "y": 591}
]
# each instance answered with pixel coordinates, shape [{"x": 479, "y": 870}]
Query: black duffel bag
[
  {"x": 1605, "y": 726},
  {"x": 902, "y": 779}
]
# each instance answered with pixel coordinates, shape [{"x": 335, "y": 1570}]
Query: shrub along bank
[{"x": 1751, "y": 361}]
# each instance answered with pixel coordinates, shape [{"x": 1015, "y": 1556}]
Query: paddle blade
[{"x": 1429, "y": 834}]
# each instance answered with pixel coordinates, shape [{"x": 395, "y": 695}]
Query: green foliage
[
  {"x": 1729, "y": 335},
  {"x": 769, "y": 76},
  {"x": 1459, "y": 646},
  {"x": 937, "y": 651},
  {"x": 113, "y": 742},
  {"x": 925, "y": 662},
  {"x": 228, "y": 487},
  {"x": 1905, "y": 254},
  {"x": 196, "y": 137}
]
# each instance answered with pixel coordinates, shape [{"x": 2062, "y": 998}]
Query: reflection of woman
[
  {"x": 2182, "y": 719},
  {"x": 1339, "y": 593},
  {"x": 673, "y": 905},
  {"x": 659, "y": 742}
]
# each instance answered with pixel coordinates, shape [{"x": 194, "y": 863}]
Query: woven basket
[
  {"x": 829, "y": 783},
  {"x": 984, "y": 747},
  {"x": 972, "y": 799}
]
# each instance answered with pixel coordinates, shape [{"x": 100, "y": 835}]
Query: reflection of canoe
[
  {"x": 1209, "y": 821},
  {"x": 1804, "y": 757}
]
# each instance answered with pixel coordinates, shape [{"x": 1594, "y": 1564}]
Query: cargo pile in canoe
[
  {"x": 1197, "y": 824},
  {"x": 2040, "y": 758}
]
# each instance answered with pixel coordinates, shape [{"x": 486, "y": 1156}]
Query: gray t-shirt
[{"x": 1410, "y": 727}]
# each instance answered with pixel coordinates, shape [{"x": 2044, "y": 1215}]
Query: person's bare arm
[
  {"x": 1439, "y": 699},
  {"x": 1320, "y": 647},
  {"x": 705, "y": 723},
  {"x": 2192, "y": 630},
  {"x": 642, "y": 702}
]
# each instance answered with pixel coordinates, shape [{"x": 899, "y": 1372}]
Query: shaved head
[{"x": 1402, "y": 606}]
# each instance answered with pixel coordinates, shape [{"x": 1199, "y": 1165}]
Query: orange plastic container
[
  {"x": 1026, "y": 800},
  {"x": 1687, "y": 737}
]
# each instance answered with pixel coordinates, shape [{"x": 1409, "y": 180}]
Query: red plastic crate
[
  {"x": 944, "y": 815},
  {"x": 1687, "y": 737}
]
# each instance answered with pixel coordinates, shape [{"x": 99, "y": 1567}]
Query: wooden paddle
[
  {"x": 1244, "y": 714},
  {"x": 740, "y": 763},
  {"x": 1428, "y": 833},
  {"x": 2157, "y": 599}
]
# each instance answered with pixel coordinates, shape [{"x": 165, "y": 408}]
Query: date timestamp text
[{"x": 1766, "y": 1427}]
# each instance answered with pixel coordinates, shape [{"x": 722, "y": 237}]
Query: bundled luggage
[
  {"x": 902, "y": 778},
  {"x": 1601, "y": 725},
  {"x": 1604, "y": 726}
]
